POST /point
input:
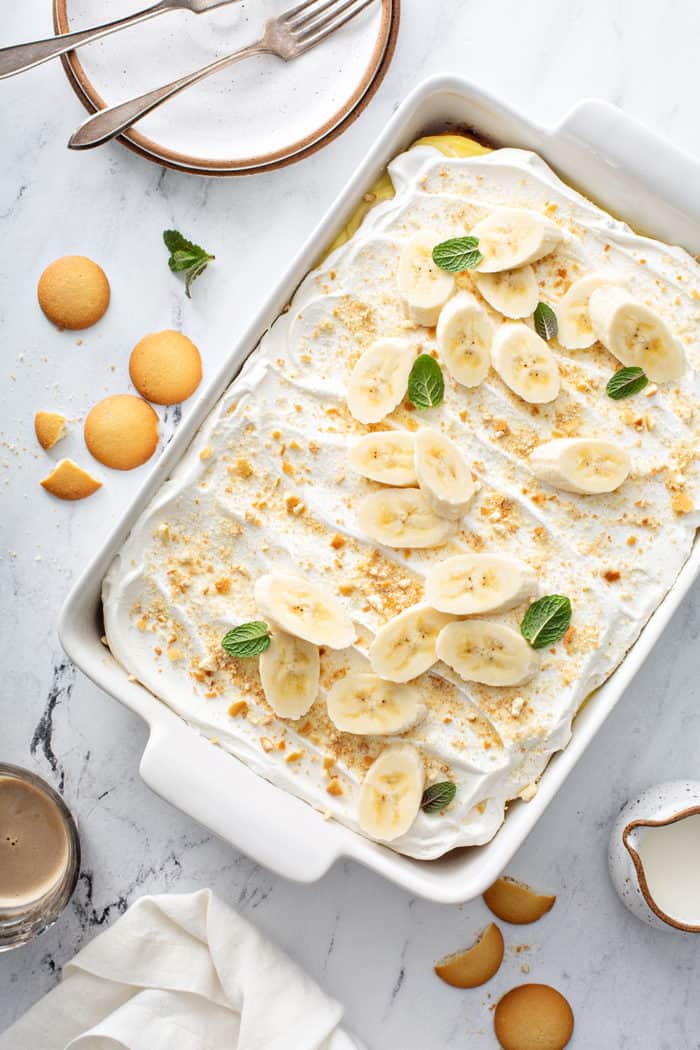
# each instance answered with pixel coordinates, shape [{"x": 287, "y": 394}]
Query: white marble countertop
[{"x": 369, "y": 944}]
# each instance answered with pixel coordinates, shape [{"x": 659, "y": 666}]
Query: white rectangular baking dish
[{"x": 614, "y": 161}]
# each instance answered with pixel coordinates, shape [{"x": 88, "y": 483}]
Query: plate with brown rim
[{"x": 253, "y": 116}]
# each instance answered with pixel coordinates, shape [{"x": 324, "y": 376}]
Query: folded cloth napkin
[{"x": 182, "y": 972}]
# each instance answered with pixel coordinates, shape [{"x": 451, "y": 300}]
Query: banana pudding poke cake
[{"x": 436, "y": 507}]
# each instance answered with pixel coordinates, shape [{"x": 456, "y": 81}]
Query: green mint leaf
[
  {"x": 626, "y": 382},
  {"x": 175, "y": 242},
  {"x": 546, "y": 322},
  {"x": 183, "y": 260},
  {"x": 546, "y": 621},
  {"x": 192, "y": 274},
  {"x": 426, "y": 385},
  {"x": 437, "y": 797},
  {"x": 248, "y": 639},
  {"x": 185, "y": 257},
  {"x": 457, "y": 254}
]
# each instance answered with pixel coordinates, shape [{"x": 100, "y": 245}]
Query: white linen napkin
[{"x": 182, "y": 972}]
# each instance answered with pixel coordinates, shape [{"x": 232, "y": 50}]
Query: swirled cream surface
[{"x": 266, "y": 487}]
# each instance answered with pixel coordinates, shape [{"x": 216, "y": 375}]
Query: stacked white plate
[{"x": 254, "y": 115}]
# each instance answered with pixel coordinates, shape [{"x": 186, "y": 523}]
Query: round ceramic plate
[{"x": 257, "y": 114}]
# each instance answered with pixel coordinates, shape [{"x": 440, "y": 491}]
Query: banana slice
[
  {"x": 424, "y": 288},
  {"x": 391, "y": 793},
  {"x": 289, "y": 672},
  {"x": 525, "y": 363},
  {"x": 573, "y": 314},
  {"x": 379, "y": 380},
  {"x": 584, "y": 465},
  {"x": 514, "y": 293},
  {"x": 464, "y": 334},
  {"x": 366, "y": 705},
  {"x": 635, "y": 334},
  {"x": 512, "y": 237},
  {"x": 386, "y": 456},
  {"x": 405, "y": 646},
  {"x": 443, "y": 474},
  {"x": 402, "y": 518},
  {"x": 304, "y": 609},
  {"x": 489, "y": 653},
  {"x": 479, "y": 583}
]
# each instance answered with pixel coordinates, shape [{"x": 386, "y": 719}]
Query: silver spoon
[
  {"x": 18, "y": 57},
  {"x": 287, "y": 36}
]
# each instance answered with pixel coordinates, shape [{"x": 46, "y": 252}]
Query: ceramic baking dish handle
[
  {"x": 663, "y": 172},
  {"x": 270, "y": 826}
]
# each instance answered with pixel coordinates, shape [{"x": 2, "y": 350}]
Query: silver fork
[
  {"x": 287, "y": 36},
  {"x": 18, "y": 57}
]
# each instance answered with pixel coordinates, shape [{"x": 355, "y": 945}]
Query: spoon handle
[
  {"x": 106, "y": 124},
  {"x": 18, "y": 57}
]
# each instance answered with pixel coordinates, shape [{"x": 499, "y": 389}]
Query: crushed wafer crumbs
[
  {"x": 335, "y": 788},
  {"x": 681, "y": 503},
  {"x": 294, "y": 504},
  {"x": 238, "y": 709},
  {"x": 243, "y": 468}
]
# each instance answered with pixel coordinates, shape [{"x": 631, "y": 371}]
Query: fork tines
[{"x": 312, "y": 20}]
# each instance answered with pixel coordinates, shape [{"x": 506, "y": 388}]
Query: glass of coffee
[{"x": 39, "y": 856}]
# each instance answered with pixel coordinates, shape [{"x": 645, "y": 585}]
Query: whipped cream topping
[{"x": 265, "y": 486}]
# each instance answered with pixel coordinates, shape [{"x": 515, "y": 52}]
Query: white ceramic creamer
[{"x": 655, "y": 856}]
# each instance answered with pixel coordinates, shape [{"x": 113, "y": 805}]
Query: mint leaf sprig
[
  {"x": 457, "y": 254},
  {"x": 248, "y": 639},
  {"x": 626, "y": 382},
  {"x": 437, "y": 797},
  {"x": 426, "y": 383},
  {"x": 546, "y": 324},
  {"x": 186, "y": 257},
  {"x": 546, "y": 621}
]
